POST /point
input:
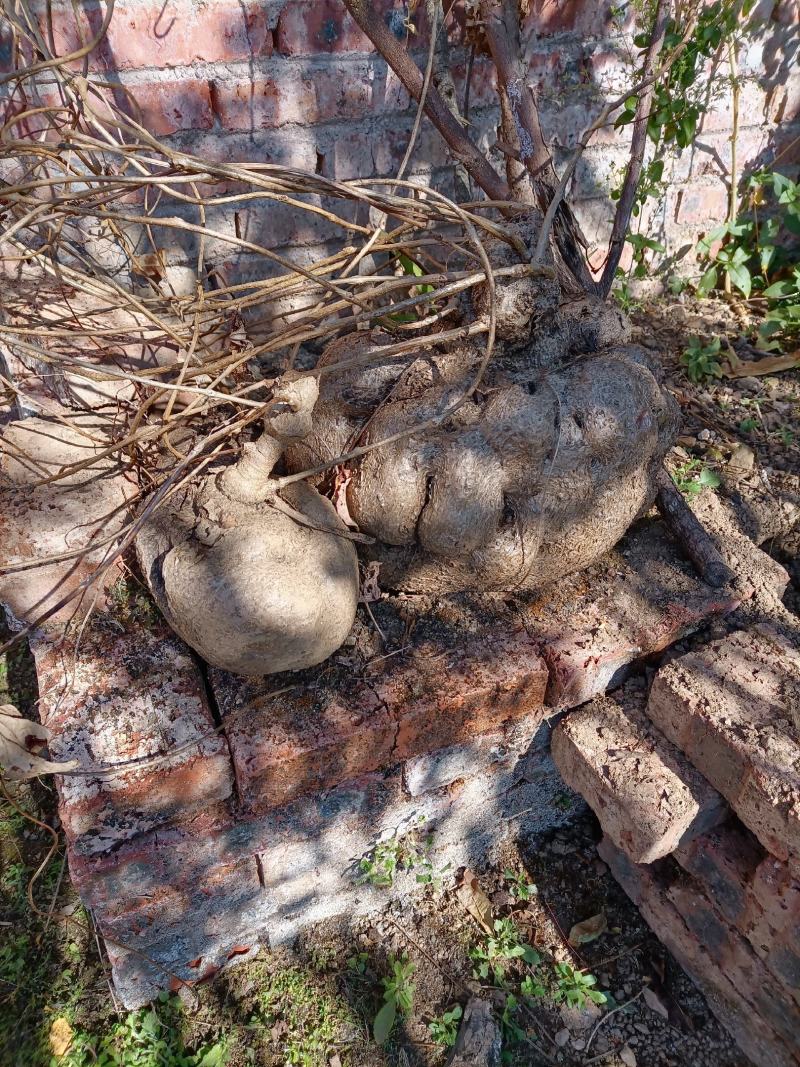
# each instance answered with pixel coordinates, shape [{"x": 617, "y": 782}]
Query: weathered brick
[
  {"x": 130, "y": 707},
  {"x": 702, "y": 205},
  {"x": 560, "y": 16},
  {"x": 177, "y": 903},
  {"x": 728, "y": 707},
  {"x": 167, "y": 107},
  {"x": 298, "y": 743},
  {"x": 306, "y": 27},
  {"x": 724, "y": 862},
  {"x": 735, "y": 958},
  {"x": 728, "y": 991},
  {"x": 595, "y": 658},
  {"x": 489, "y": 681},
  {"x": 166, "y": 33},
  {"x": 647, "y": 796}
]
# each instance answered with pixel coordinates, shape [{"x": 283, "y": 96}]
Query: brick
[
  {"x": 728, "y": 707},
  {"x": 297, "y": 743},
  {"x": 177, "y": 903},
  {"x": 443, "y": 766},
  {"x": 167, "y": 107},
  {"x": 759, "y": 896},
  {"x": 548, "y": 17},
  {"x": 597, "y": 656},
  {"x": 724, "y": 862},
  {"x": 134, "y": 705},
  {"x": 496, "y": 679},
  {"x": 728, "y": 993},
  {"x": 307, "y": 27},
  {"x": 167, "y": 33},
  {"x": 702, "y": 206},
  {"x": 43, "y": 520},
  {"x": 647, "y": 796},
  {"x": 735, "y": 958}
]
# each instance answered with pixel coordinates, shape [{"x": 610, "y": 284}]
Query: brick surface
[
  {"x": 758, "y": 895},
  {"x": 304, "y": 741},
  {"x": 724, "y": 862},
  {"x": 176, "y": 904},
  {"x": 728, "y": 707},
  {"x": 166, "y": 33},
  {"x": 729, "y": 991},
  {"x": 300, "y": 742},
  {"x": 644, "y": 791},
  {"x": 132, "y": 706}
]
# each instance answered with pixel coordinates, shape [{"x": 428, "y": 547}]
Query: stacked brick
[
  {"x": 717, "y": 734},
  {"x": 211, "y": 814}
]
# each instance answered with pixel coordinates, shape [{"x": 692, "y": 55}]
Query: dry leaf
[
  {"x": 20, "y": 741},
  {"x": 654, "y": 1004},
  {"x": 370, "y": 590},
  {"x": 61, "y": 1034},
  {"x": 627, "y": 1056},
  {"x": 588, "y": 930},
  {"x": 768, "y": 365},
  {"x": 334, "y": 1061},
  {"x": 473, "y": 898}
]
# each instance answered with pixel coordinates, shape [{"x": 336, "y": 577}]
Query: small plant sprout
[
  {"x": 531, "y": 986},
  {"x": 444, "y": 1030},
  {"x": 398, "y": 996},
  {"x": 518, "y": 885},
  {"x": 701, "y": 360},
  {"x": 575, "y": 987},
  {"x": 409, "y": 852},
  {"x": 505, "y": 945},
  {"x": 692, "y": 477}
]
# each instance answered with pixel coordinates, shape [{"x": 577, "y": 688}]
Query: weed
[
  {"x": 409, "y": 852},
  {"x": 131, "y": 605},
  {"x": 444, "y": 1030},
  {"x": 701, "y": 360},
  {"x": 308, "y": 1020},
  {"x": 531, "y": 986},
  {"x": 693, "y": 476},
  {"x": 754, "y": 254},
  {"x": 576, "y": 987},
  {"x": 357, "y": 965},
  {"x": 518, "y": 885},
  {"x": 512, "y": 1031},
  {"x": 500, "y": 949},
  {"x": 150, "y": 1037},
  {"x": 398, "y": 996}
]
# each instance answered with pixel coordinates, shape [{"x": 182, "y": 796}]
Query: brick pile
[
  {"x": 214, "y": 814},
  {"x": 717, "y": 736}
]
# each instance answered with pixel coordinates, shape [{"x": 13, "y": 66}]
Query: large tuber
[{"x": 256, "y": 583}]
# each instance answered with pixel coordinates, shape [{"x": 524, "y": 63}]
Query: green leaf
[
  {"x": 707, "y": 282},
  {"x": 213, "y": 1057},
  {"x": 781, "y": 289},
  {"x": 409, "y": 266},
  {"x": 384, "y": 1021},
  {"x": 531, "y": 956},
  {"x": 740, "y": 277},
  {"x": 710, "y": 479}
]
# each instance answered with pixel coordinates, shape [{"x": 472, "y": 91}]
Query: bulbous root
[{"x": 254, "y": 583}]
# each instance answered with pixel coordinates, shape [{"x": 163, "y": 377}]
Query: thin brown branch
[
  {"x": 501, "y": 25},
  {"x": 460, "y": 145},
  {"x": 633, "y": 173}
]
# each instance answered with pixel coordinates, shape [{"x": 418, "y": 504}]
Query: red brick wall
[{"x": 295, "y": 82}]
